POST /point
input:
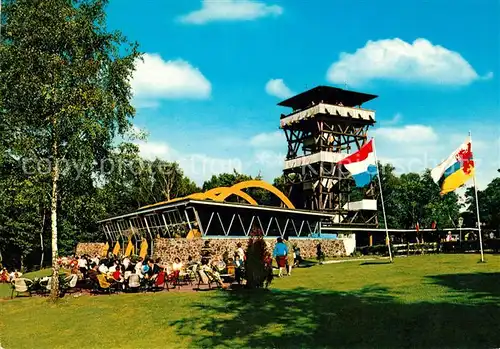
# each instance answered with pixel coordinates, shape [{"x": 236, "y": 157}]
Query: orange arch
[
  {"x": 215, "y": 194},
  {"x": 256, "y": 184},
  {"x": 222, "y": 193}
]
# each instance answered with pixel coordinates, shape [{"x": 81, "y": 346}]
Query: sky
[{"x": 213, "y": 72}]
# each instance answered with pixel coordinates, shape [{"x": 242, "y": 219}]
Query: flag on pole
[
  {"x": 130, "y": 249},
  {"x": 361, "y": 165},
  {"x": 455, "y": 171},
  {"x": 417, "y": 227},
  {"x": 117, "y": 248},
  {"x": 105, "y": 250},
  {"x": 144, "y": 248}
]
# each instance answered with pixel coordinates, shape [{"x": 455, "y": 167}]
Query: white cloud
[
  {"x": 410, "y": 148},
  {"x": 416, "y": 134},
  {"x": 197, "y": 166},
  {"x": 414, "y": 148},
  {"x": 155, "y": 79},
  {"x": 395, "y": 59},
  {"x": 230, "y": 10},
  {"x": 268, "y": 140},
  {"x": 277, "y": 88}
]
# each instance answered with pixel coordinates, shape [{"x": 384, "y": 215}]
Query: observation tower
[{"x": 327, "y": 124}]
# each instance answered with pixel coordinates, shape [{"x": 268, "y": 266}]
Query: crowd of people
[{"x": 119, "y": 270}]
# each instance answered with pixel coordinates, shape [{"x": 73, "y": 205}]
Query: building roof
[
  {"x": 327, "y": 94},
  {"x": 230, "y": 205}
]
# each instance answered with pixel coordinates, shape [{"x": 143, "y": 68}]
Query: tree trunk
[
  {"x": 41, "y": 241},
  {"x": 54, "y": 291}
]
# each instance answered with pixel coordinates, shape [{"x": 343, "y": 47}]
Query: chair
[
  {"x": 134, "y": 282},
  {"x": 203, "y": 278},
  {"x": 69, "y": 283},
  {"x": 21, "y": 285},
  {"x": 160, "y": 283},
  {"x": 173, "y": 278}
]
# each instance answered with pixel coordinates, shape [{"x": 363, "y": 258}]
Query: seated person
[
  {"x": 191, "y": 262},
  {"x": 113, "y": 267},
  {"x": 176, "y": 269},
  {"x": 145, "y": 271},
  {"x": 4, "y": 276},
  {"x": 177, "y": 265},
  {"x": 126, "y": 262},
  {"x": 15, "y": 274},
  {"x": 103, "y": 269},
  {"x": 92, "y": 274},
  {"x": 159, "y": 263},
  {"x": 138, "y": 268},
  {"x": 153, "y": 269},
  {"x": 219, "y": 265},
  {"x": 212, "y": 274},
  {"x": 128, "y": 271},
  {"x": 118, "y": 274}
]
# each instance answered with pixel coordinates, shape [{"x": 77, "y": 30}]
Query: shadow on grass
[
  {"x": 480, "y": 286},
  {"x": 369, "y": 317},
  {"x": 376, "y": 262}
]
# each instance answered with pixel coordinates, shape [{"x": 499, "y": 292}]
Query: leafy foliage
[
  {"x": 255, "y": 264},
  {"x": 489, "y": 205},
  {"x": 413, "y": 197}
]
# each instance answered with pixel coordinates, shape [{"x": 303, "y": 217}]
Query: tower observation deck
[{"x": 325, "y": 126}]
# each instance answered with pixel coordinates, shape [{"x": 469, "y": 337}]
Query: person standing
[
  {"x": 280, "y": 252},
  {"x": 290, "y": 258}
]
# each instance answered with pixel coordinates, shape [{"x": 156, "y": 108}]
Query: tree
[
  {"x": 414, "y": 198},
  {"x": 64, "y": 88},
  {"x": 255, "y": 264},
  {"x": 225, "y": 180},
  {"x": 489, "y": 205}
]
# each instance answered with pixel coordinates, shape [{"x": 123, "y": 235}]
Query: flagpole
[
  {"x": 477, "y": 209},
  {"x": 383, "y": 204}
]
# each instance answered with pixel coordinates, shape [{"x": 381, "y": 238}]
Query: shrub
[{"x": 255, "y": 265}]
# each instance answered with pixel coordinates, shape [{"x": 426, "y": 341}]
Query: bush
[{"x": 255, "y": 264}]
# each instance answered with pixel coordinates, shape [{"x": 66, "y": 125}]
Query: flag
[
  {"x": 144, "y": 249},
  {"x": 130, "y": 249},
  {"x": 105, "y": 250},
  {"x": 117, "y": 248},
  {"x": 455, "y": 171},
  {"x": 417, "y": 227},
  {"x": 361, "y": 165},
  {"x": 433, "y": 225}
]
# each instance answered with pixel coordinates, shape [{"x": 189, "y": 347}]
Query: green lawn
[{"x": 422, "y": 301}]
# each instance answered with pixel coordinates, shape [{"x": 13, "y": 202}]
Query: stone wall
[
  {"x": 90, "y": 248},
  {"x": 168, "y": 249}
]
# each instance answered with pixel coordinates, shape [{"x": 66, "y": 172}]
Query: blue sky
[{"x": 214, "y": 71}]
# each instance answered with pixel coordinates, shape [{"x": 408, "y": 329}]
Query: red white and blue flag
[{"x": 362, "y": 165}]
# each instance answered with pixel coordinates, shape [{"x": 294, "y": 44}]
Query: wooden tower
[{"x": 325, "y": 125}]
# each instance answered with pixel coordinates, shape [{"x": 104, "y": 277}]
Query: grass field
[{"x": 423, "y": 301}]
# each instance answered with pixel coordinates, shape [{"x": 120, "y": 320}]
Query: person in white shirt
[
  {"x": 138, "y": 268},
  {"x": 126, "y": 262},
  {"x": 240, "y": 252},
  {"x": 177, "y": 265},
  {"x": 114, "y": 267},
  {"x": 95, "y": 260},
  {"x": 103, "y": 269}
]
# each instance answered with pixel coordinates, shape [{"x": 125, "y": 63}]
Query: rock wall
[
  {"x": 168, "y": 249},
  {"x": 90, "y": 248}
]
